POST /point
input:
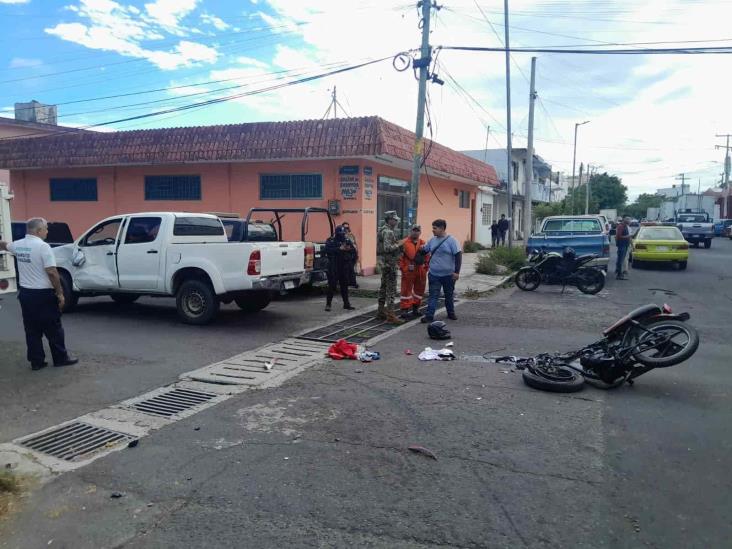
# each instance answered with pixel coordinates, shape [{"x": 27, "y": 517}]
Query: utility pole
[
  {"x": 335, "y": 103},
  {"x": 682, "y": 177},
  {"x": 530, "y": 153},
  {"x": 574, "y": 161},
  {"x": 587, "y": 193},
  {"x": 579, "y": 183},
  {"x": 509, "y": 147},
  {"x": 726, "y": 159},
  {"x": 423, "y": 63},
  {"x": 485, "y": 152}
]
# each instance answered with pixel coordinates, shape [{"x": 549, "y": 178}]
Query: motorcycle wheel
[
  {"x": 590, "y": 281},
  {"x": 528, "y": 279},
  {"x": 679, "y": 342},
  {"x": 558, "y": 379}
]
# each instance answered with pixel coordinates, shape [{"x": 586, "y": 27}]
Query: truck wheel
[
  {"x": 251, "y": 302},
  {"x": 124, "y": 299},
  {"x": 71, "y": 298},
  {"x": 196, "y": 302},
  {"x": 708, "y": 243},
  {"x": 682, "y": 265}
]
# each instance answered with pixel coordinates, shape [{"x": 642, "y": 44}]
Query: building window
[
  {"x": 73, "y": 190},
  {"x": 290, "y": 186},
  {"x": 515, "y": 170},
  {"x": 487, "y": 214},
  {"x": 464, "y": 199},
  {"x": 172, "y": 187}
]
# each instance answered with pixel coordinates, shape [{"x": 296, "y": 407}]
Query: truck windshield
[
  {"x": 692, "y": 218},
  {"x": 572, "y": 226}
]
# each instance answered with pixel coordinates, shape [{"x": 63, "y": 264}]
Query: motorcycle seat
[{"x": 635, "y": 313}]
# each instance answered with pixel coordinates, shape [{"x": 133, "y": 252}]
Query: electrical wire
[{"x": 640, "y": 51}]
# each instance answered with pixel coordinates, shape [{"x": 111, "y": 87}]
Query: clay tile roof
[{"x": 304, "y": 139}]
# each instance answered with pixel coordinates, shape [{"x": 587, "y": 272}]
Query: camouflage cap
[{"x": 391, "y": 214}]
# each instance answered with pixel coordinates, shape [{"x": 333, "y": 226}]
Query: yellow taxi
[{"x": 657, "y": 243}]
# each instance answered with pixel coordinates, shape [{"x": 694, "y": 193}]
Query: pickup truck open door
[{"x": 98, "y": 271}]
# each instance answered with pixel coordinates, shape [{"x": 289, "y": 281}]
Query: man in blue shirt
[{"x": 445, "y": 262}]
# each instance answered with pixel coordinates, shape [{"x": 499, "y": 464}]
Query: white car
[{"x": 186, "y": 255}]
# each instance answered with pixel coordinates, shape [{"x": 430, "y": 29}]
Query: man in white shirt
[{"x": 41, "y": 295}]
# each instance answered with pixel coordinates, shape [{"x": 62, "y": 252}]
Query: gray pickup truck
[{"x": 696, "y": 227}]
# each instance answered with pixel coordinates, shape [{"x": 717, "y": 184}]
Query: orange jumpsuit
[{"x": 414, "y": 277}]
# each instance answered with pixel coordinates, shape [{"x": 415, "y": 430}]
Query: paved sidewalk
[{"x": 469, "y": 279}]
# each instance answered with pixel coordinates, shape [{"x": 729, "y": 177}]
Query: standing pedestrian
[
  {"x": 414, "y": 274},
  {"x": 445, "y": 261},
  {"x": 503, "y": 228},
  {"x": 41, "y": 295},
  {"x": 494, "y": 234},
  {"x": 338, "y": 250},
  {"x": 389, "y": 249},
  {"x": 622, "y": 241},
  {"x": 352, "y": 256}
]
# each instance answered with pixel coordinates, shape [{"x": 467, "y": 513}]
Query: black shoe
[
  {"x": 39, "y": 366},
  {"x": 327, "y": 307},
  {"x": 452, "y": 316},
  {"x": 349, "y": 307},
  {"x": 70, "y": 361},
  {"x": 406, "y": 315},
  {"x": 426, "y": 319}
]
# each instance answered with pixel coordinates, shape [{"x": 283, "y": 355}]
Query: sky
[{"x": 650, "y": 117}]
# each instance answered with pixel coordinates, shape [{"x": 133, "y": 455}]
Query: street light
[{"x": 574, "y": 157}]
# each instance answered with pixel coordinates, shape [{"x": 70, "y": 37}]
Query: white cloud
[
  {"x": 217, "y": 22},
  {"x": 111, "y": 26},
  {"x": 14, "y": 1},
  {"x": 168, "y": 13},
  {"x": 17, "y": 62}
]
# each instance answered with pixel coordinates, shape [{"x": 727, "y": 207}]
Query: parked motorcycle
[
  {"x": 567, "y": 269},
  {"x": 648, "y": 337}
]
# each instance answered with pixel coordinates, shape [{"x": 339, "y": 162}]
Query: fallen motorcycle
[
  {"x": 567, "y": 269},
  {"x": 648, "y": 337}
]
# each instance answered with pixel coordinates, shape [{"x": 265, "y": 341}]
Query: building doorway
[{"x": 392, "y": 194}]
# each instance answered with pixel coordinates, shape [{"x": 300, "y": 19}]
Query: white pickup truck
[
  {"x": 186, "y": 255},
  {"x": 8, "y": 280}
]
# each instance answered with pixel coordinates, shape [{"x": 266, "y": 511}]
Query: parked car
[
  {"x": 186, "y": 255},
  {"x": 720, "y": 227},
  {"x": 59, "y": 233},
  {"x": 584, "y": 234},
  {"x": 728, "y": 232},
  {"x": 659, "y": 244}
]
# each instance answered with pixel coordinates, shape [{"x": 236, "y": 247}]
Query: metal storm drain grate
[
  {"x": 357, "y": 329},
  {"x": 74, "y": 441},
  {"x": 172, "y": 402}
]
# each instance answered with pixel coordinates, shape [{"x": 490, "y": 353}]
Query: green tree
[{"x": 639, "y": 208}]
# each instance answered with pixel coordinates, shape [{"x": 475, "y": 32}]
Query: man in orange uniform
[{"x": 414, "y": 277}]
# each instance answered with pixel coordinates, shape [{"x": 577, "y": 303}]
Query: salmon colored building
[{"x": 358, "y": 167}]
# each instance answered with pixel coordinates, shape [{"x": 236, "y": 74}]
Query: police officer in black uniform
[
  {"x": 339, "y": 251},
  {"x": 41, "y": 295}
]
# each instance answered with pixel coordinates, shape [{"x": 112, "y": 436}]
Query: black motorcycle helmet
[
  {"x": 438, "y": 330},
  {"x": 569, "y": 253}
]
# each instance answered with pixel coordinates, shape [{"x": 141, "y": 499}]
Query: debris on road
[
  {"x": 341, "y": 349},
  {"x": 368, "y": 356},
  {"x": 133, "y": 443},
  {"x": 441, "y": 354},
  {"x": 422, "y": 450},
  {"x": 117, "y": 495}
]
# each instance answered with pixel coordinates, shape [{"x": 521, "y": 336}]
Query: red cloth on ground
[{"x": 342, "y": 349}]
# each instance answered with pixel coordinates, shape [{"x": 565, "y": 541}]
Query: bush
[
  {"x": 511, "y": 258},
  {"x": 486, "y": 265},
  {"x": 470, "y": 247}
]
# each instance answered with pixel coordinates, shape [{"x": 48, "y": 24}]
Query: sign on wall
[
  {"x": 368, "y": 182},
  {"x": 349, "y": 180}
]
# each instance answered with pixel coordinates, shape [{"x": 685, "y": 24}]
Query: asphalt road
[
  {"x": 126, "y": 350},
  {"x": 322, "y": 461}
]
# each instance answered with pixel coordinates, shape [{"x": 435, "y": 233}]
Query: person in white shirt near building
[{"x": 40, "y": 294}]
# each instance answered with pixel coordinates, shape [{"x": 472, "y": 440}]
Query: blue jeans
[
  {"x": 622, "y": 250},
  {"x": 437, "y": 283}
]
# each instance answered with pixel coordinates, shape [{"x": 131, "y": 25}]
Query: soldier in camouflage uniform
[{"x": 389, "y": 248}]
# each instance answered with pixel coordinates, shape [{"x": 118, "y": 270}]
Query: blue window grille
[
  {"x": 73, "y": 189},
  {"x": 172, "y": 187},
  {"x": 290, "y": 186}
]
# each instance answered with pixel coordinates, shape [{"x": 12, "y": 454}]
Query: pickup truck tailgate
[
  {"x": 582, "y": 244},
  {"x": 282, "y": 257}
]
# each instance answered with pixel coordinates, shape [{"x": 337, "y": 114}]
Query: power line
[{"x": 640, "y": 51}]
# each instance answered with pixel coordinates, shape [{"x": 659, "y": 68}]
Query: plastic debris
[
  {"x": 341, "y": 349},
  {"x": 422, "y": 450},
  {"x": 440, "y": 354},
  {"x": 368, "y": 356},
  {"x": 117, "y": 495},
  {"x": 408, "y": 352},
  {"x": 269, "y": 365}
]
